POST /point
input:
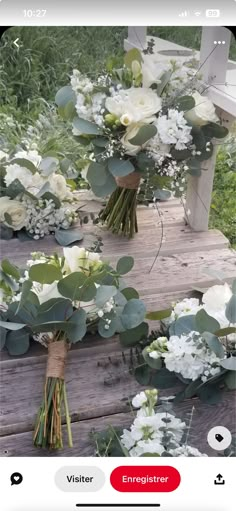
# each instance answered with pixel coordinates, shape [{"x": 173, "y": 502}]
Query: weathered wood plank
[{"x": 205, "y": 417}]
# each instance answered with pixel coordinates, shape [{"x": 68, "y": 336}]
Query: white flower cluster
[
  {"x": 173, "y": 129},
  {"x": 89, "y": 105},
  {"x": 45, "y": 218},
  {"x": 39, "y": 216},
  {"x": 155, "y": 432},
  {"x": 190, "y": 356}
]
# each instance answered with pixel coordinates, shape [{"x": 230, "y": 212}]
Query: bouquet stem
[
  {"x": 48, "y": 427},
  {"x": 120, "y": 212}
]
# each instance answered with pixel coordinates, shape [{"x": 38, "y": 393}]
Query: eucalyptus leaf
[
  {"x": 50, "y": 196},
  {"x": 133, "y": 314},
  {"x": 44, "y": 273},
  {"x": 48, "y": 165},
  {"x": 97, "y": 174},
  {"x": 69, "y": 236},
  {"x": 70, "y": 286},
  {"x": 213, "y": 130},
  {"x": 142, "y": 374},
  {"x": 104, "y": 294},
  {"x": 230, "y": 380},
  {"x": 10, "y": 269},
  {"x": 15, "y": 188},
  {"x": 55, "y": 309},
  {"x": 163, "y": 379},
  {"x": 223, "y": 332},
  {"x": 25, "y": 290},
  {"x": 181, "y": 155},
  {"x": 185, "y": 103},
  {"x": 144, "y": 134},
  {"x": 125, "y": 265},
  {"x": 234, "y": 287},
  {"x": 6, "y": 233},
  {"x": 154, "y": 363},
  {"x": 12, "y": 326},
  {"x": 132, "y": 337},
  {"x": 120, "y": 168},
  {"x": 214, "y": 344},
  {"x": 17, "y": 343},
  {"x": 85, "y": 127},
  {"x": 106, "y": 330},
  {"x": 205, "y": 323},
  {"x": 229, "y": 363},
  {"x": 3, "y": 334},
  {"x": 64, "y": 96},
  {"x": 210, "y": 395},
  {"x": 230, "y": 310},
  {"x": 106, "y": 189},
  {"x": 159, "y": 315},
  {"x": 161, "y": 195},
  {"x": 23, "y": 162},
  {"x": 130, "y": 292},
  {"x": 183, "y": 325},
  {"x": 77, "y": 326}
]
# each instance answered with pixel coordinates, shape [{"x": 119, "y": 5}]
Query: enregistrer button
[{"x": 145, "y": 479}]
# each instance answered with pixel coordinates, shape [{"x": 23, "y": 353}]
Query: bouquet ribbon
[
  {"x": 131, "y": 182},
  {"x": 57, "y": 353}
]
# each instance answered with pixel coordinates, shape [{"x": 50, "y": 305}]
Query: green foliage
[
  {"x": 144, "y": 134},
  {"x": 205, "y": 323},
  {"x": 17, "y": 343},
  {"x": 120, "y": 168},
  {"x": 44, "y": 273},
  {"x": 133, "y": 314},
  {"x": 10, "y": 269},
  {"x": 158, "y": 315},
  {"x": 68, "y": 236},
  {"x": 125, "y": 265},
  {"x": 185, "y": 103},
  {"x": 133, "y": 336}
]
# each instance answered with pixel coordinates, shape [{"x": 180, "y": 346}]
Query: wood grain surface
[{"x": 97, "y": 373}]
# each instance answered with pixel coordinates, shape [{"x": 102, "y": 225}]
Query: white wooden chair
[{"x": 213, "y": 60}]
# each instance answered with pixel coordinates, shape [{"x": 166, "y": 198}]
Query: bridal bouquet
[
  {"x": 141, "y": 134},
  {"x": 155, "y": 431},
  {"x": 196, "y": 346},
  {"x": 58, "y": 300},
  {"x": 35, "y": 198}
]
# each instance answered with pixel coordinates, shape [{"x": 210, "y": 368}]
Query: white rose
[
  {"x": 48, "y": 292},
  {"x": 144, "y": 102},
  {"x": 216, "y": 298},
  {"x": 79, "y": 259},
  {"x": 16, "y": 210},
  {"x": 203, "y": 112},
  {"x": 152, "y": 70},
  {"x": 59, "y": 186},
  {"x": 130, "y": 133},
  {"x": 138, "y": 103}
]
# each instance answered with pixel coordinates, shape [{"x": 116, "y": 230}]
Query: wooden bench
[{"x": 97, "y": 374}]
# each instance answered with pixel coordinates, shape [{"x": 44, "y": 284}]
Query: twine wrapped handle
[
  {"x": 57, "y": 353},
  {"x": 131, "y": 182}
]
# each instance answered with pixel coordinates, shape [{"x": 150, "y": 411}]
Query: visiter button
[
  {"x": 145, "y": 479},
  {"x": 80, "y": 479}
]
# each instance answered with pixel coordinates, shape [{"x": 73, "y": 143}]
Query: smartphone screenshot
[{"x": 117, "y": 255}]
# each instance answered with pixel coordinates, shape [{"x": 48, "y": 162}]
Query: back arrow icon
[{"x": 15, "y": 42}]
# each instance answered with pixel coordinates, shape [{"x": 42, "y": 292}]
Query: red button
[{"x": 145, "y": 479}]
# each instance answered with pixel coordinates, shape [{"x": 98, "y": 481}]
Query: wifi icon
[{"x": 198, "y": 13}]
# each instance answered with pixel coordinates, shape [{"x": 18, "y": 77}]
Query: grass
[{"x": 31, "y": 75}]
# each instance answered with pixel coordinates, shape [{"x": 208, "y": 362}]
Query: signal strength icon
[{"x": 183, "y": 14}]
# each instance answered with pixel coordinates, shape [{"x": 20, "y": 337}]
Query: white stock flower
[
  {"x": 31, "y": 182},
  {"x": 139, "y": 400},
  {"x": 188, "y": 306},
  {"x": 203, "y": 112},
  {"x": 16, "y": 210},
  {"x": 187, "y": 451},
  {"x": 190, "y": 356},
  {"x": 173, "y": 129},
  {"x": 152, "y": 70}
]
